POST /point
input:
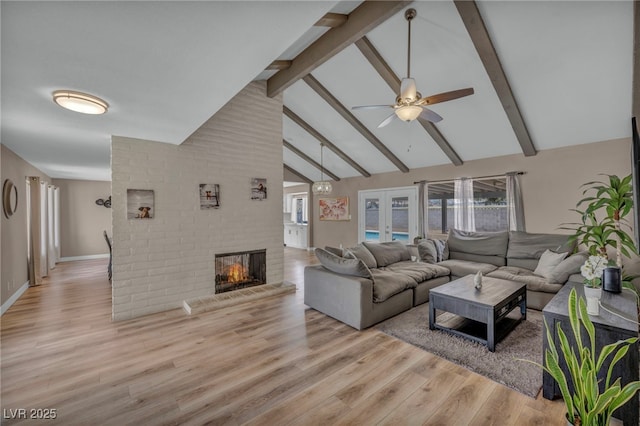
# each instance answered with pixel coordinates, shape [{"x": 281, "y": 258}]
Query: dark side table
[{"x": 609, "y": 329}]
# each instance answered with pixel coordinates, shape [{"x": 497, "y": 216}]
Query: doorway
[{"x": 388, "y": 214}]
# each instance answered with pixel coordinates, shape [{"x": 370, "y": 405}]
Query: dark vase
[{"x": 611, "y": 280}]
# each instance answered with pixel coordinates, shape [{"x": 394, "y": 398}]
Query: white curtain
[
  {"x": 51, "y": 226},
  {"x": 464, "y": 218},
  {"x": 34, "y": 200},
  {"x": 515, "y": 207},
  {"x": 423, "y": 211}
]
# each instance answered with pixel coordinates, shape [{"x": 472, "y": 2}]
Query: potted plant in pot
[
  {"x": 589, "y": 391},
  {"x": 592, "y": 270},
  {"x": 612, "y": 200}
]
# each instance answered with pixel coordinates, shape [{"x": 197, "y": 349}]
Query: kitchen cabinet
[{"x": 295, "y": 235}]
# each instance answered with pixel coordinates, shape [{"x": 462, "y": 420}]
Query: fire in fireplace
[{"x": 240, "y": 270}]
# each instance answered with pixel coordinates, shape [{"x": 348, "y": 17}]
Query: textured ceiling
[{"x": 166, "y": 67}]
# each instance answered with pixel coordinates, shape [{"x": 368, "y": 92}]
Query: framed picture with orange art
[{"x": 334, "y": 209}]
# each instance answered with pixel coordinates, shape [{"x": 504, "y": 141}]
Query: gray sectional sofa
[{"x": 371, "y": 282}]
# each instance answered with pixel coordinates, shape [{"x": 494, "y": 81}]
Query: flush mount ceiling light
[{"x": 80, "y": 102}]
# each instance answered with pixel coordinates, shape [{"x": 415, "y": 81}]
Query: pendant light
[{"x": 321, "y": 187}]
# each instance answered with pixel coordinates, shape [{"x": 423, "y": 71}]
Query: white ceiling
[{"x": 166, "y": 67}]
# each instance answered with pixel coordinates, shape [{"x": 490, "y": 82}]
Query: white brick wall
[{"x": 157, "y": 263}]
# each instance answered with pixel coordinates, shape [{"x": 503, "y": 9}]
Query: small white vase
[
  {"x": 477, "y": 280},
  {"x": 592, "y": 294}
]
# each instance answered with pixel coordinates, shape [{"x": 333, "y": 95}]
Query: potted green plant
[
  {"x": 589, "y": 401},
  {"x": 603, "y": 220},
  {"x": 614, "y": 201}
]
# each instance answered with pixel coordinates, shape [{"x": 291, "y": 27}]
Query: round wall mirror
[{"x": 9, "y": 198}]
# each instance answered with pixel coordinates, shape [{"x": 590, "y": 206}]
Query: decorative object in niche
[
  {"x": 104, "y": 203},
  {"x": 9, "y": 198},
  {"x": 140, "y": 204},
  {"x": 209, "y": 196},
  {"x": 258, "y": 189},
  {"x": 336, "y": 208}
]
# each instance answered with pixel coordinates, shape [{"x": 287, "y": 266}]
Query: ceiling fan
[{"x": 410, "y": 104}]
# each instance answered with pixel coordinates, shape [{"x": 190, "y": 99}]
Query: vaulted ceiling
[{"x": 545, "y": 75}]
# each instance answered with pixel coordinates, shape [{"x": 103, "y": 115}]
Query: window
[{"x": 489, "y": 203}]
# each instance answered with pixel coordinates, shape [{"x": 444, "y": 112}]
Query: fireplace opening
[{"x": 240, "y": 270}]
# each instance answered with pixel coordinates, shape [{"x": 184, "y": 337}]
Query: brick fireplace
[{"x": 238, "y": 270}]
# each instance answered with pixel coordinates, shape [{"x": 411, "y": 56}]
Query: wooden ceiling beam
[
  {"x": 309, "y": 160},
  {"x": 472, "y": 20},
  {"x": 326, "y": 142},
  {"x": 297, "y": 173},
  {"x": 635, "y": 91},
  {"x": 380, "y": 65},
  {"x": 278, "y": 65},
  {"x": 349, "y": 117},
  {"x": 361, "y": 20},
  {"x": 333, "y": 20}
]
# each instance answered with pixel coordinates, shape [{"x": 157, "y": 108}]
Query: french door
[{"x": 388, "y": 215}]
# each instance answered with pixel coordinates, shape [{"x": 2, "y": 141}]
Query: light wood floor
[{"x": 272, "y": 362}]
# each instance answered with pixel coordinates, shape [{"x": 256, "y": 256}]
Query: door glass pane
[
  {"x": 400, "y": 219},
  {"x": 372, "y": 219}
]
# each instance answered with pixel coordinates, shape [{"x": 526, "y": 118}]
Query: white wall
[{"x": 160, "y": 262}]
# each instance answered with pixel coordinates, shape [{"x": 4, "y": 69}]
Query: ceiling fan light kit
[
  {"x": 80, "y": 102},
  {"x": 409, "y": 112},
  {"x": 410, "y": 104}
]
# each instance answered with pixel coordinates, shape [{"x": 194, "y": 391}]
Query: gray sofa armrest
[{"x": 345, "y": 298}]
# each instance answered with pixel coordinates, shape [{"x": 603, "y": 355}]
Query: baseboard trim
[
  {"x": 15, "y": 296},
  {"x": 88, "y": 257}
]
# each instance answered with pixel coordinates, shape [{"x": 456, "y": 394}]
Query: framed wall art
[
  {"x": 140, "y": 204},
  {"x": 336, "y": 208},
  {"x": 258, "y": 189},
  {"x": 209, "y": 196}
]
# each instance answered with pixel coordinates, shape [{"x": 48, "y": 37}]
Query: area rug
[{"x": 503, "y": 366}]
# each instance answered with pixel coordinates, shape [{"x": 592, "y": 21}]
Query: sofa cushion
[
  {"x": 571, "y": 265},
  {"x": 334, "y": 250},
  {"x": 460, "y": 268},
  {"x": 341, "y": 265},
  {"x": 388, "y": 283},
  {"x": 533, "y": 282},
  {"x": 418, "y": 271},
  {"x": 361, "y": 252},
  {"x": 388, "y": 252},
  {"x": 480, "y": 243},
  {"x": 548, "y": 262},
  {"x": 523, "y": 245},
  {"x": 427, "y": 251},
  {"x": 494, "y": 260}
]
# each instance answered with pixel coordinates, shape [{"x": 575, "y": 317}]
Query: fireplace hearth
[{"x": 238, "y": 270}]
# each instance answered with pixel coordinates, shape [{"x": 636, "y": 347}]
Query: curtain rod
[{"x": 476, "y": 178}]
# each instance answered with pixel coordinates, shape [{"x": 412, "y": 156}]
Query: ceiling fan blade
[
  {"x": 371, "y": 106},
  {"x": 408, "y": 89},
  {"x": 427, "y": 114},
  {"x": 447, "y": 96},
  {"x": 387, "y": 120}
]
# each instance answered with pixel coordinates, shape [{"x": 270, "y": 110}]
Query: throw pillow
[
  {"x": 341, "y": 265},
  {"x": 427, "y": 251},
  {"x": 569, "y": 266},
  {"x": 334, "y": 250},
  {"x": 361, "y": 252},
  {"x": 442, "y": 248},
  {"x": 548, "y": 262}
]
